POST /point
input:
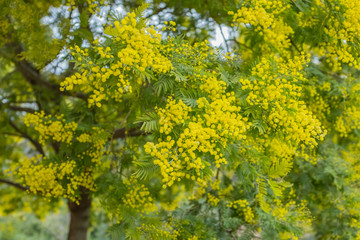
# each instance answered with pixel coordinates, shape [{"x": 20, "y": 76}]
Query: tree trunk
[{"x": 79, "y": 217}]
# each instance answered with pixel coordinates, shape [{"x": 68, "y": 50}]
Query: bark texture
[{"x": 79, "y": 217}]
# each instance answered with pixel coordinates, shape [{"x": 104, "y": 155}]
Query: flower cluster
[
  {"x": 51, "y": 127},
  {"x": 351, "y": 160},
  {"x": 218, "y": 122},
  {"x": 95, "y": 142},
  {"x": 242, "y": 206},
  {"x": 138, "y": 197},
  {"x": 186, "y": 53},
  {"x": 154, "y": 232},
  {"x": 349, "y": 121},
  {"x": 92, "y": 5},
  {"x": 223, "y": 116},
  {"x": 109, "y": 73},
  {"x": 213, "y": 200},
  {"x": 142, "y": 45},
  {"x": 53, "y": 179},
  {"x": 299, "y": 213},
  {"x": 56, "y": 129},
  {"x": 277, "y": 93},
  {"x": 286, "y": 127},
  {"x": 340, "y": 33},
  {"x": 265, "y": 18},
  {"x": 175, "y": 113},
  {"x": 317, "y": 103},
  {"x": 62, "y": 179},
  {"x": 288, "y": 236},
  {"x": 213, "y": 87}
]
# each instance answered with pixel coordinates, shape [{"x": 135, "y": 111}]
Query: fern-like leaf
[
  {"x": 280, "y": 169},
  {"x": 150, "y": 122},
  {"x": 275, "y": 187},
  {"x": 260, "y": 125},
  {"x": 163, "y": 85},
  {"x": 145, "y": 168},
  {"x": 188, "y": 96},
  {"x": 262, "y": 192},
  {"x": 178, "y": 76}
]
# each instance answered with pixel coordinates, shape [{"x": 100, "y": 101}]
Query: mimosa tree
[{"x": 178, "y": 139}]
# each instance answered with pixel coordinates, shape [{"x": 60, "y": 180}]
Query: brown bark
[
  {"x": 79, "y": 217},
  {"x": 17, "y": 185},
  {"x": 123, "y": 133}
]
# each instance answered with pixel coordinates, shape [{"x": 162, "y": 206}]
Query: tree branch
[
  {"x": 294, "y": 45},
  {"x": 12, "y": 134},
  {"x": 17, "y": 185},
  {"x": 123, "y": 133},
  {"x": 33, "y": 76},
  {"x": 17, "y": 108},
  {"x": 225, "y": 40},
  {"x": 25, "y": 135},
  {"x": 21, "y": 109}
]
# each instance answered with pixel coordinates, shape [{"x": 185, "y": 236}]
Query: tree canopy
[{"x": 125, "y": 107}]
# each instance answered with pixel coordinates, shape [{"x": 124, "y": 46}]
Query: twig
[
  {"x": 11, "y": 134},
  {"x": 123, "y": 133},
  {"x": 17, "y": 185},
  {"x": 294, "y": 45},
  {"x": 25, "y": 135},
  {"x": 225, "y": 40},
  {"x": 21, "y": 109},
  {"x": 33, "y": 76}
]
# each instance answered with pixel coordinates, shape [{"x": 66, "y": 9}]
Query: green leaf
[
  {"x": 262, "y": 192},
  {"x": 150, "y": 122},
  {"x": 275, "y": 187},
  {"x": 260, "y": 125},
  {"x": 280, "y": 168},
  {"x": 163, "y": 85},
  {"x": 188, "y": 96},
  {"x": 145, "y": 168},
  {"x": 178, "y": 76}
]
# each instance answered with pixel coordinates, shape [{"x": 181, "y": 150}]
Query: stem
[
  {"x": 25, "y": 135},
  {"x": 17, "y": 185},
  {"x": 225, "y": 40}
]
